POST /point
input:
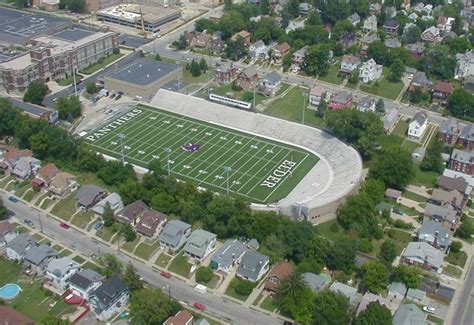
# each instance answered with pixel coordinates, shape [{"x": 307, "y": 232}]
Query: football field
[{"x": 212, "y": 156}]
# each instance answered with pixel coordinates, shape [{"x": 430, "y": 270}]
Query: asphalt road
[
  {"x": 464, "y": 308},
  {"x": 217, "y": 306}
]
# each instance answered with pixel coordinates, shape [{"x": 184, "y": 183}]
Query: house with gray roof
[
  {"x": 462, "y": 161},
  {"x": 38, "y": 257},
  {"x": 7, "y": 232},
  {"x": 26, "y": 166},
  {"x": 174, "y": 235},
  {"x": 424, "y": 256},
  {"x": 418, "y": 125},
  {"x": 315, "y": 282},
  {"x": 382, "y": 206},
  {"x": 369, "y": 298},
  {"x": 84, "y": 282},
  {"x": 17, "y": 248},
  {"x": 416, "y": 295},
  {"x": 389, "y": 120},
  {"x": 420, "y": 81},
  {"x": 271, "y": 83},
  {"x": 228, "y": 255},
  {"x": 397, "y": 290},
  {"x": 444, "y": 214},
  {"x": 449, "y": 183},
  {"x": 253, "y": 266},
  {"x": 113, "y": 199},
  {"x": 200, "y": 244},
  {"x": 253, "y": 244},
  {"x": 109, "y": 299},
  {"x": 435, "y": 234},
  {"x": 89, "y": 195},
  {"x": 347, "y": 291},
  {"x": 466, "y": 137},
  {"x": 366, "y": 104},
  {"x": 409, "y": 314},
  {"x": 418, "y": 154},
  {"x": 354, "y": 18},
  {"x": 59, "y": 271}
]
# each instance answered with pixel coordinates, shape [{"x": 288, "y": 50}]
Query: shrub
[
  {"x": 335, "y": 227},
  {"x": 204, "y": 274},
  {"x": 456, "y": 246},
  {"x": 402, "y": 224},
  {"x": 365, "y": 246},
  {"x": 243, "y": 287}
]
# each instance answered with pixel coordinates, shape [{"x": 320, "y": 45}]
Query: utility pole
[
  {"x": 74, "y": 71},
  {"x": 41, "y": 224},
  {"x": 254, "y": 90},
  {"x": 228, "y": 170},
  {"x": 168, "y": 153},
  {"x": 121, "y": 137},
  {"x": 179, "y": 76},
  {"x": 304, "y": 106}
]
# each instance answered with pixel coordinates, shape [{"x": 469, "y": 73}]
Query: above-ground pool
[{"x": 9, "y": 291}]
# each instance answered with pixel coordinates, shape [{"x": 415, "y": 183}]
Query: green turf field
[{"x": 263, "y": 171}]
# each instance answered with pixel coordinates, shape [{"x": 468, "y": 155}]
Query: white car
[{"x": 429, "y": 310}]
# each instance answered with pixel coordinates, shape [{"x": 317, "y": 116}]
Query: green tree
[
  {"x": 235, "y": 50},
  {"x": 440, "y": 62},
  {"x": 157, "y": 57},
  {"x": 151, "y": 306},
  {"x": 379, "y": 52},
  {"x": 322, "y": 109},
  {"x": 316, "y": 60},
  {"x": 243, "y": 287},
  {"x": 433, "y": 160},
  {"x": 91, "y": 88},
  {"x": 456, "y": 246},
  {"x": 114, "y": 173},
  {"x": 394, "y": 159},
  {"x": 387, "y": 252},
  {"x": 342, "y": 256},
  {"x": 35, "y": 92},
  {"x": 128, "y": 233},
  {"x": 50, "y": 319},
  {"x": 466, "y": 229},
  {"x": 374, "y": 276},
  {"x": 108, "y": 215},
  {"x": 69, "y": 107},
  {"x": 131, "y": 278},
  {"x": 358, "y": 214},
  {"x": 412, "y": 35},
  {"x": 375, "y": 313},
  {"x": 354, "y": 77},
  {"x": 374, "y": 189},
  {"x": 408, "y": 275},
  {"x": 293, "y": 8},
  {"x": 195, "y": 69},
  {"x": 3, "y": 210},
  {"x": 73, "y": 5},
  {"x": 294, "y": 298},
  {"x": 461, "y": 104},
  {"x": 110, "y": 265},
  {"x": 330, "y": 308},
  {"x": 204, "y": 274},
  {"x": 380, "y": 106},
  {"x": 396, "y": 70},
  {"x": 180, "y": 43},
  {"x": 203, "y": 65},
  {"x": 458, "y": 45},
  {"x": 265, "y": 7}
]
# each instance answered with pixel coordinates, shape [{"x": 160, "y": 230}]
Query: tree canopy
[
  {"x": 35, "y": 92},
  {"x": 375, "y": 313},
  {"x": 394, "y": 159},
  {"x": 409, "y": 275},
  {"x": 69, "y": 107},
  {"x": 330, "y": 308},
  {"x": 374, "y": 276},
  {"x": 151, "y": 306}
]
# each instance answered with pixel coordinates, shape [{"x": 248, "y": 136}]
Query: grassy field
[
  {"x": 130, "y": 246},
  {"x": 30, "y": 195},
  {"x": 452, "y": 271},
  {"x": 163, "y": 260},
  {"x": 327, "y": 229},
  {"x": 65, "y": 208},
  {"x": 458, "y": 258},
  {"x": 332, "y": 75},
  {"x": 96, "y": 67},
  {"x": 180, "y": 265},
  {"x": 268, "y": 304},
  {"x": 401, "y": 128},
  {"x": 82, "y": 219},
  {"x": 426, "y": 179},
  {"x": 21, "y": 191},
  {"x": 5, "y": 181},
  {"x": 401, "y": 238},
  {"x": 70, "y": 80},
  {"x": 223, "y": 90},
  {"x": 149, "y": 131},
  {"x": 106, "y": 233},
  {"x": 290, "y": 108},
  {"x": 79, "y": 259},
  {"x": 410, "y": 145},
  {"x": 414, "y": 196},
  {"x": 384, "y": 87},
  {"x": 145, "y": 250}
]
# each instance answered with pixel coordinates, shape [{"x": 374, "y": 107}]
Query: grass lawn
[
  {"x": 163, "y": 260},
  {"x": 106, "y": 233},
  {"x": 268, "y": 304},
  {"x": 214, "y": 281},
  {"x": 65, "y": 208},
  {"x": 239, "y": 95},
  {"x": 65, "y": 252},
  {"x": 41, "y": 197},
  {"x": 10, "y": 186},
  {"x": 390, "y": 141},
  {"x": 30, "y": 195},
  {"x": 410, "y": 145},
  {"x": 5, "y": 180},
  {"x": 180, "y": 265},
  {"x": 187, "y": 76},
  {"x": 90, "y": 265},
  {"x": 106, "y": 61},
  {"x": 401, "y": 128},
  {"x": 458, "y": 258},
  {"x": 145, "y": 250},
  {"x": 290, "y": 108},
  {"x": 21, "y": 191},
  {"x": 384, "y": 87},
  {"x": 452, "y": 271},
  {"x": 332, "y": 75},
  {"x": 434, "y": 320},
  {"x": 46, "y": 203},
  {"x": 22, "y": 229},
  {"x": 414, "y": 196},
  {"x": 426, "y": 179},
  {"x": 401, "y": 238},
  {"x": 129, "y": 246},
  {"x": 38, "y": 237},
  {"x": 325, "y": 230},
  {"x": 58, "y": 247},
  {"x": 70, "y": 80},
  {"x": 82, "y": 219},
  {"x": 231, "y": 291},
  {"x": 79, "y": 259}
]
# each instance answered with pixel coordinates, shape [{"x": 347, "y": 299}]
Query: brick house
[
  {"x": 225, "y": 73},
  {"x": 281, "y": 271},
  {"x": 462, "y": 161},
  {"x": 442, "y": 90}
]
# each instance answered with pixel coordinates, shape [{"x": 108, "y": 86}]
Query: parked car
[
  {"x": 112, "y": 96},
  {"x": 429, "y": 310},
  {"x": 64, "y": 225},
  {"x": 165, "y": 274},
  {"x": 13, "y": 199},
  {"x": 199, "y": 306},
  {"x": 118, "y": 97},
  {"x": 398, "y": 211},
  {"x": 28, "y": 222},
  {"x": 98, "y": 225}
]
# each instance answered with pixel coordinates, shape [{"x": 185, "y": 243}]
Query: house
[
  {"x": 420, "y": 81},
  {"x": 449, "y": 131},
  {"x": 416, "y": 295},
  {"x": 9, "y": 316},
  {"x": 38, "y": 257},
  {"x": 383, "y": 206},
  {"x": 253, "y": 244},
  {"x": 183, "y": 317},
  {"x": 341, "y": 100},
  {"x": 466, "y": 137},
  {"x": 294, "y": 25},
  {"x": 375, "y": 8},
  {"x": 45, "y": 176},
  {"x": 151, "y": 223},
  {"x": 200, "y": 244},
  {"x": 443, "y": 197},
  {"x": 228, "y": 255},
  {"x": 200, "y": 40},
  {"x": 393, "y": 43},
  {"x": 132, "y": 213},
  {"x": 396, "y": 290},
  {"x": 354, "y": 18},
  {"x": 109, "y": 299},
  {"x": 271, "y": 83},
  {"x": 366, "y": 40},
  {"x": 315, "y": 282},
  {"x": 11, "y": 155},
  {"x": 367, "y": 104},
  {"x": 390, "y": 120},
  {"x": 84, "y": 282},
  {"x": 423, "y": 255},
  {"x": 174, "y": 235},
  {"x": 7, "y": 232},
  {"x": 59, "y": 271},
  {"x": 462, "y": 161},
  {"x": 390, "y": 11},
  {"x": 449, "y": 184},
  {"x": 17, "y": 248},
  {"x": 280, "y": 50},
  {"x": 244, "y": 35},
  {"x": 348, "y": 39},
  {"x": 445, "y": 24},
  {"x": 258, "y": 50},
  {"x": 305, "y": 9},
  {"x": 253, "y": 266},
  {"x": 316, "y": 94},
  {"x": 413, "y": 16},
  {"x": 113, "y": 200},
  {"x": 391, "y": 27},
  {"x": 408, "y": 314},
  {"x": 370, "y": 24},
  {"x": 370, "y": 71},
  {"x": 26, "y": 167},
  {"x": 299, "y": 55},
  {"x": 369, "y": 298},
  {"x": 347, "y": 291},
  {"x": 446, "y": 215},
  {"x": 248, "y": 78},
  {"x": 416, "y": 50},
  {"x": 89, "y": 195},
  {"x": 434, "y": 234},
  {"x": 418, "y": 125},
  {"x": 465, "y": 65},
  {"x": 225, "y": 73},
  {"x": 217, "y": 46},
  {"x": 442, "y": 90},
  {"x": 348, "y": 64},
  {"x": 393, "y": 194},
  {"x": 431, "y": 35},
  {"x": 280, "y": 271},
  {"x": 62, "y": 184},
  {"x": 418, "y": 154}
]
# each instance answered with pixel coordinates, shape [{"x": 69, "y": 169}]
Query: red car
[
  {"x": 199, "y": 306},
  {"x": 64, "y": 225},
  {"x": 165, "y": 274}
]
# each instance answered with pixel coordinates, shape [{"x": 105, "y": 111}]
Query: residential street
[
  {"x": 463, "y": 309},
  {"x": 216, "y": 305}
]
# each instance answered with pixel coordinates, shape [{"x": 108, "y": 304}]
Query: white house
[
  {"x": 200, "y": 244},
  {"x": 84, "y": 282},
  {"x": 271, "y": 83},
  {"x": 59, "y": 270},
  {"x": 294, "y": 25},
  {"x": 370, "y": 71},
  {"x": 228, "y": 255},
  {"x": 348, "y": 64},
  {"x": 316, "y": 94},
  {"x": 354, "y": 18},
  {"x": 109, "y": 299},
  {"x": 418, "y": 125},
  {"x": 367, "y": 104},
  {"x": 26, "y": 166},
  {"x": 113, "y": 199},
  {"x": 465, "y": 65},
  {"x": 253, "y": 266},
  {"x": 174, "y": 235},
  {"x": 17, "y": 248},
  {"x": 370, "y": 24},
  {"x": 258, "y": 50}
]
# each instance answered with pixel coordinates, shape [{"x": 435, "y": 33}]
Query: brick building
[{"x": 462, "y": 161}]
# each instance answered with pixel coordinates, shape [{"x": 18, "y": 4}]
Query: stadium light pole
[
  {"x": 168, "y": 152},
  {"x": 121, "y": 137},
  {"x": 227, "y": 170},
  {"x": 179, "y": 72},
  {"x": 304, "y": 106},
  {"x": 74, "y": 74}
]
